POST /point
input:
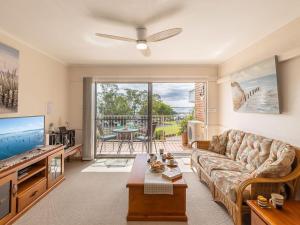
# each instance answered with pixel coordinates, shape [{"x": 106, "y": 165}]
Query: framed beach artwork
[
  {"x": 9, "y": 73},
  {"x": 255, "y": 89}
]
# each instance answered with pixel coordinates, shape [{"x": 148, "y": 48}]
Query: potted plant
[{"x": 183, "y": 129}]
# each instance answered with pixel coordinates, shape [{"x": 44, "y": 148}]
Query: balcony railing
[{"x": 167, "y": 126}]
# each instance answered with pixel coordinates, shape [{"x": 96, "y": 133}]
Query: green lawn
[{"x": 171, "y": 129}]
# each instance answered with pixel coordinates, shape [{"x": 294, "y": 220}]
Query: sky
[
  {"x": 174, "y": 94},
  {"x": 9, "y": 125}
]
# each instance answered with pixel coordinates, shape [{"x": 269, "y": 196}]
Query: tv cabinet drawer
[{"x": 32, "y": 193}]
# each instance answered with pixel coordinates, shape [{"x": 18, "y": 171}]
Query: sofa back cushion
[
  {"x": 279, "y": 162},
  {"x": 234, "y": 141},
  {"x": 253, "y": 151},
  {"x": 218, "y": 143}
]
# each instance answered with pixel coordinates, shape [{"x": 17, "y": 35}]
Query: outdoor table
[{"x": 125, "y": 135}]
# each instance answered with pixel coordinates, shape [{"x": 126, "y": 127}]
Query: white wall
[
  {"x": 286, "y": 125},
  {"x": 42, "y": 79},
  {"x": 141, "y": 73}
]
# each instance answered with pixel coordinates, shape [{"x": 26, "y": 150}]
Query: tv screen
[{"x": 21, "y": 134}]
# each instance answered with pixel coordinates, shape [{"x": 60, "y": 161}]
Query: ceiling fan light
[{"x": 141, "y": 45}]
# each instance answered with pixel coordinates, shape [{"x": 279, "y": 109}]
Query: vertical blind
[{"x": 88, "y": 118}]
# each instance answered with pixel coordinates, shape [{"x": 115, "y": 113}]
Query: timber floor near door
[{"x": 143, "y": 207}]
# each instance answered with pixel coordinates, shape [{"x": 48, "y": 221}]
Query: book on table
[{"x": 172, "y": 174}]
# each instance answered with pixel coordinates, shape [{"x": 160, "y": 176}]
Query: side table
[{"x": 288, "y": 215}]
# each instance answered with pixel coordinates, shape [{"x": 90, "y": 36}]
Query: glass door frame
[
  {"x": 149, "y": 114},
  {"x": 149, "y": 128},
  {"x": 149, "y": 121}
]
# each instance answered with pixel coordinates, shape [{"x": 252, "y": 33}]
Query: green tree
[
  {"x": 161, "y": 108},
  {"x": 111, "y": 102},
  {"x": 136, "y": 99},
  {"x": 158, "y": 107}
]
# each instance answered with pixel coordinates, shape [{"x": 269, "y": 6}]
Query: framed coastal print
[
  {"x": 9, "y": 73},
  {"x": 255, "y": 89}
]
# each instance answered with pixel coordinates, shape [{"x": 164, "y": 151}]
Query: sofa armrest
[
  {"x": 293, "y": 176},
  {"x": 201, "y": 144}
]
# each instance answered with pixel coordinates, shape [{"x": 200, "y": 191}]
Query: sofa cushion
[
  {"x": 218, "y": 143},
  {"x": 197, "y": 153},
  {"x": 253, "y": 151},
  {"x": 206, "y": 153},
  {"x": 279, "y": 162},
  {"x": 210, "y": 163},
  {"x": 234, "y": 141},
  {"x": 228, "y": 182}
]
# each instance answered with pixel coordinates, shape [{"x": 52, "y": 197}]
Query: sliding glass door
[
  {"x": 122, "y": 118},
  {"x": 172, "y": 107},
  {"x": 136, "y": 118}
]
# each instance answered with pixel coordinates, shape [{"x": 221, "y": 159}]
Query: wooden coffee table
[{"x": 154, "y": 207}]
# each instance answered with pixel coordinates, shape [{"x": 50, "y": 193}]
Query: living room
[{"x": 113, "y": 96}]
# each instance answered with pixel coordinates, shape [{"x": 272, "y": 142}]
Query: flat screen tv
[{"x": 21, "y": 134}]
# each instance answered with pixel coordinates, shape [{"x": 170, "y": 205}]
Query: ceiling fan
[{"x": 142, "y": 38}]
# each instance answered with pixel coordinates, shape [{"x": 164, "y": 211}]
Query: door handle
[{"x": 33, "y": 194}]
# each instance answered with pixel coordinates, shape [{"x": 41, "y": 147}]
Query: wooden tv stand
[
  {"x": 26, "y": 178},
  {"x": 72, "y": 151}
]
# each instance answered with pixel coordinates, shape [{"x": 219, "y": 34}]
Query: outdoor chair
[
  {"x": 106, "y": 138},
  {"x": 145, "y": 138}
]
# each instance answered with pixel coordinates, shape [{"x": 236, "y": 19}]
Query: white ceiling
[{"x": 213, "y": 30}]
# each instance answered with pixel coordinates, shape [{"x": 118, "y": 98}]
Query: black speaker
[
  {"x": 65, "y": 137},
  {"x": 71, "y": 134},
  {"x": 53, "y": 140}
]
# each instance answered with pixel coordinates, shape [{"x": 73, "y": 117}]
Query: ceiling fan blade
[
  {"x": 146, "y": 52},
  {"x": 115, "y": 37},
  {"x": 164, "y": 34}
]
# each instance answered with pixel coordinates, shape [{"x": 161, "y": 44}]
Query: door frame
[{"x": 149, "y": 128}]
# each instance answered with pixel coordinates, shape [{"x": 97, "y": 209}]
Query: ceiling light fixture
[
  {"x": 142, "y": 39},
  {"x": 141, "y": 45}
]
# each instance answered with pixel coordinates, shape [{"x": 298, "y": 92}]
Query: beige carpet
[{"x": 91, "y": 197}]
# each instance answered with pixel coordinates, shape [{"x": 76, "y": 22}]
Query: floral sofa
[{"x": 238, "y": 166}]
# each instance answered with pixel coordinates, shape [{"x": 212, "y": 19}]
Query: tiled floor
[{"x": 168, "y": 146}]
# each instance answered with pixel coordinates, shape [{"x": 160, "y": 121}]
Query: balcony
[{"x": 166, "y": 134}]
